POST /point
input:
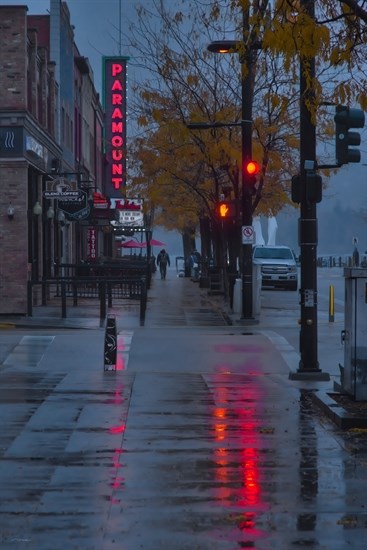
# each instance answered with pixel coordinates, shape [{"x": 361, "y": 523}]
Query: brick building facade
[{"x": 46, "y": 127}]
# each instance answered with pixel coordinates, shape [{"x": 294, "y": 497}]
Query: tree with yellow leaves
[{"x": 183, "y": 172}]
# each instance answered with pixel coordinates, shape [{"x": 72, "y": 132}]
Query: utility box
[
  {"x": 256, "y": 291},
  {"x": 354, "y": 374}
]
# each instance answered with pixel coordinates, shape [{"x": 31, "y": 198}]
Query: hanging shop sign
[
  {"x": 130, "y": 218},
  {"x": 127, "y": 204},
  {"x": 129, "y": 212},
  {"x": 75, "y": 208},
  {"x": 100, "y": 202},
  {"x": 114, "y": 96},
  {"x": 61, "y": 188}
]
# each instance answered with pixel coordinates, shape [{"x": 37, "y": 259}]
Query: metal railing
[
  {"x": 105, "y": 289},
  {"x": 115, "y": 269}
]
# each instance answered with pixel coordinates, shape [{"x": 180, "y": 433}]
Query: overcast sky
[{"x": 96, "y": 25}]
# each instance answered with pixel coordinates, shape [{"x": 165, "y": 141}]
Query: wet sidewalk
[
  {"x": 199, "y": 440},
  {"x": 177, "y": 301}
]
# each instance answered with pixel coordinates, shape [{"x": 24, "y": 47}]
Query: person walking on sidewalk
[{"x": 162, "y": 261}]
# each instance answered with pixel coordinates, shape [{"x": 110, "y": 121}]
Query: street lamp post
[
  {"x": 247, "y": 282},
  {"x": 246, "y": 60}
]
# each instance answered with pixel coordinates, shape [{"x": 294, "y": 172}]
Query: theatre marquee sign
[{"x": 114, "y": 103}]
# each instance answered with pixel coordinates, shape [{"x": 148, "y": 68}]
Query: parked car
[{"x": 278, "y": 266}]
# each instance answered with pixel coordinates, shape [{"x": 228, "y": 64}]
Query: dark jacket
[{"x": 163, "y": 258}]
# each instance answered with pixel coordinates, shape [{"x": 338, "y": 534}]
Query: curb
[
  {"x": 7, "y": 325},
  {"x": 45, "y": 326},
  {"x": 338, "y": 414}
]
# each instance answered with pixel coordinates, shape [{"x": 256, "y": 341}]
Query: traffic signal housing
[
  {"x": 296, "y": 189},
  {"x": 251, "y": 168},
  {"x": 313, "y": 187},
  {"x": 346, "y": 118},
  {"x": 223, "y": 210},
  {"x": 226, "y": 210}
]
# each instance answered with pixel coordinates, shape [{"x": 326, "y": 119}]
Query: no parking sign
[{"x": 248, "y": 234}]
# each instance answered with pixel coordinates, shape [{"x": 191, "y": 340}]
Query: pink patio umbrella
[
  {"x": 131, "y": 244},
  {"x": 154, "y": 242}
]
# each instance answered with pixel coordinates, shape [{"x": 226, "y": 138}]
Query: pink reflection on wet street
[
  {"x": 121, "y": 349},
  {"x": 237, "y": 430}
]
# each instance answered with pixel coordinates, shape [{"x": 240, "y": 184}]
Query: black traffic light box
[
  {"x": 313, "y": 187},
  {"x": 346, "y": 118}
]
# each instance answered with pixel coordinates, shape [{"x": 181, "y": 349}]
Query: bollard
[
  {"x": 110, "y": 344},
  {"x": 331, "y": 304}
]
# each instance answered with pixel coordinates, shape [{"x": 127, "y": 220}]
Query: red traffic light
[{"x": 252, "y": 167}]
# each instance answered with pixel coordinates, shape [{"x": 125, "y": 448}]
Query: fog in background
[{"x": 342, "y": 214}]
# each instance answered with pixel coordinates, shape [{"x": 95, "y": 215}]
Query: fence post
[
  {"x": 75, "y": 293},
  {"x": 63, "y": 299},
  {"x": 29, "y": 298},
  {"x": 102, "y": 299},
  {"x": 331, "y": 304},
  {"x": 109, "y": 293},
  {"x": 143, "y": 301},
  {"x": 43, "y": 292}
]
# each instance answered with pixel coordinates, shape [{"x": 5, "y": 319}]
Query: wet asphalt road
[{"x": 197, "y": 441}]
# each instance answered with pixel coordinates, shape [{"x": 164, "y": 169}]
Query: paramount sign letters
[{"x": 115, "y": 127}]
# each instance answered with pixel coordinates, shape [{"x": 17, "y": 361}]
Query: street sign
[
  {"x": 127, "y": 204},
  {"x": 61, "y": 194},
  {"x": 248, "y": 234},
  {"x": 130, "y": 218}
]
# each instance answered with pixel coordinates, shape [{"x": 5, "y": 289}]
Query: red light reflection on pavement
[
  {"x": 117, "y": 429},
  {"x": 235, "y": 421},
  {"x": 117, "y": 481},
  {"x": 249, "y": 361},
  {"x": 116, "y": 458},
  {"x": 121, "y": 349},
  {"x": 251, "y": 478},
  {"x": 236, "y": 348}
]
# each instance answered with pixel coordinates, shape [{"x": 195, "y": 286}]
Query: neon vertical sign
[
  {"x": 114, "y": 73},
  {"x": 92, "y": 244}
]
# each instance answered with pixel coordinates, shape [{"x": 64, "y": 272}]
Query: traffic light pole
[
  {"x": 247, "y": 95},
  {"x": 307, "y": 229}
]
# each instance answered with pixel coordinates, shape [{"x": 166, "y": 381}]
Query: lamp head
[
  {"x": 223, "y": 46},
  {"x": 37, "y": 209}
]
